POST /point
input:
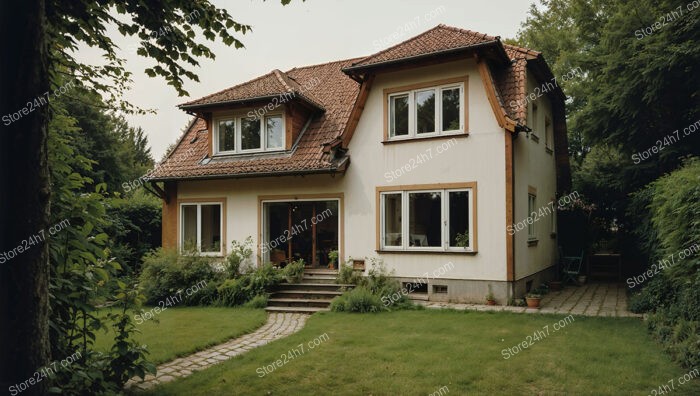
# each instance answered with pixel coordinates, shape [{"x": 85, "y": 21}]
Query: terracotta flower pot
[
  {"x": 490, "y": 302},
  {"x": 533, "y": 302},
  {"x": 555, "y": 285}
]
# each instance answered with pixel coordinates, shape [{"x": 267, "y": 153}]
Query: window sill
[
  {"x": 466, "y": 252},
  {"x": 431, "y": 137},
  {"x": 549, "y": 150},
  {"x": 532, "y": 242}
]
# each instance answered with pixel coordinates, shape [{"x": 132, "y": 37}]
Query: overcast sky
[{"x": 302, "y": 33}]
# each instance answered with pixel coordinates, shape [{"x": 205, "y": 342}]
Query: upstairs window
[
  {"x": 236, "y": 135},
  {"x": 426, "y": 111}
]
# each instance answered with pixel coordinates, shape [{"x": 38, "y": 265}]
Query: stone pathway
[
  {"x": 592, "y": 299},
  {"x": 278, "y": 325}
]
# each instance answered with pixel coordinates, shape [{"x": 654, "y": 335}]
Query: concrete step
[
  {"x": 312, "y": 286},
  {"x": 320, "y": 271},
  {"x": 308, "y": 310},
  {"x": 319, "y": 279},
  {"x": 299, "y": 302},
  {"x": 306, "y": 294}
]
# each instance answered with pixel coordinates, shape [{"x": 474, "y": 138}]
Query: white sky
[{"x": 301, "y": 33}]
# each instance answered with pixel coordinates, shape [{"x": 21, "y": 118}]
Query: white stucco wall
[
  {"x": 534, "y": 167},
  {"x": 480, "y": 158}
]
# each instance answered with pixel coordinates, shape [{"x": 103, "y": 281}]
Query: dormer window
[
  {"x": 426, "y": 110},
  {"x": 239, "y": 135}
]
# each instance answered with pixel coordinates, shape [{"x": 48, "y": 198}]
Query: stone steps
[{"x": 313, "y": 294}]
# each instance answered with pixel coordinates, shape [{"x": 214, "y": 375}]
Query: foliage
[
  {"x": 348, "y": 276},
  {"x": 83, "y": 274},
  {"x": 672, "y": 296},
  {"x": 166, "y": 273},
  {"x": 360, "y": 299},
  {"x": 262, "y": 279},
  {"x": 233, "y": 292},
  {"x": 135, "y": 228},
  {"x": 462, "y": 239},
  {"x": 258, "y": 302},
  {"x": 246, "y": 287},
  {"x": 239, "y": 259},
  {"x": 333, "y": 258},
  {"x": 378, "y": 283},
  {"x": 294, "y": 271}
]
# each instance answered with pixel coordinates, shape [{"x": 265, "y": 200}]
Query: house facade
[{"x": 424, "y": 155}]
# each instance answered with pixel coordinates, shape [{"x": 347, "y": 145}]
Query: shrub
[
  {"x": 294, "y": 271},
  {"x": 262, "y": 279},
  {"x": 239, "y": 259},
  {"x": 233, "y": 292},
  {"x": 259, "y": 301},
  {"x": 359, "y": 299},
  {"x": 165, "y": 273},
  {"x": 348, "y": 276}
]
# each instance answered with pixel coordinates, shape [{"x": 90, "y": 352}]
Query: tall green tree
[{"x": 39, "y": 40}]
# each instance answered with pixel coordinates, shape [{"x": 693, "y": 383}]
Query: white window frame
[
  {"x": 413, "y": 113},
  {"x": 238, "y": 121},
  {"x": 444, "y": 220},
  {"x": 199, "y": 227},
  {"x": 531, "y": 229}
]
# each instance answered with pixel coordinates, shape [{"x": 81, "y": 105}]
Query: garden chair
[{"x": 571, "y": 266}]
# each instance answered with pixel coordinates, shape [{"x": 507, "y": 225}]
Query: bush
[
  {"x": 233, "y": 292},
  {"x": 239, "y": 259},
  {"x": 248, "y": 286},
  {"x": 259, "y": 302},
  {"x": 135, "y": 228},
  {"x": 359, "y": 299},
  {"x": 262, "y": 279},
  {"x": 348, "y": 276},
  {"x": 165, "y": 273},
  {"x": 672, "y": 296},
  {"x": 294, "y": 271}
]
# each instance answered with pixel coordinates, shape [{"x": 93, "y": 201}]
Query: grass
[
  {"x": 184, "y": 330},
  {"x": 419, "y": 352}
]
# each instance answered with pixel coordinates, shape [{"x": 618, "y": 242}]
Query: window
[
  {"x": 548, "y": 134},
  {"x": 426, "y": 111},
  {"x": 534, "y": 122},
  {"x": 531, "y": 209},
  {"x": 435, "y": 219},
  {"x": 243, "y": 134},
  {"x": 201, "y": 227}
]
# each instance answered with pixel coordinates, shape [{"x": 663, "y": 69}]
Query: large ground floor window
[
  {"x": 201, "y": 227},
  {"x": 301, "y": 229},
  {"x": 429, "y": 218}
]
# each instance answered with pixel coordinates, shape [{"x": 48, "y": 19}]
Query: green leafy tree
[{"x": 39, "y": 40}]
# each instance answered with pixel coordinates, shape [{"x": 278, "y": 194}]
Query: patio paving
[
  {"x": 278, "y": 325},
  {"x": 591, "y": 299}
]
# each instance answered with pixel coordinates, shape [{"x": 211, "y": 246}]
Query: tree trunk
[{"x": 24, "y": 196}]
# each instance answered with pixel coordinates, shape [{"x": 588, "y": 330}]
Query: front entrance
[{"x": 303, "y": 229}]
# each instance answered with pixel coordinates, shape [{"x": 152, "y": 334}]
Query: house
[{"x": 425, "y": 155}]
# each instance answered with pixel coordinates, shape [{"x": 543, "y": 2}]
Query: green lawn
[
  {"x": 185, "y": 330},
  {"x": 419, "y": 352}
]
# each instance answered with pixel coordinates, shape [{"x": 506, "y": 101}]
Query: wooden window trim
[
  {"x": 418, "y": 187},
  {"x": 219, "y": 200},
  {"x": 428, "y": 84}
]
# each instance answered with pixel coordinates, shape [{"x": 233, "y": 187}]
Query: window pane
[
  {"x": 392, "y": 219},
  {"x": 459, "y": 218},
  {"x": 189, "y": 227},
  {"x": 425, "y": 111},
  {"x": 211, "y": 228},
  {"x": 399, "y": 115},
  {"x": 450, "y": 109},
  {"x": 227, "y": 135},
  {"x": 275, "y": 133},
  {"x": 250, "y": 134},
  {"x": 530, "y": 210},
  {"x": 425, "y": 219}
]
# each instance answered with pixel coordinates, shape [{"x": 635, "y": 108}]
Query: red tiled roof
[
  {"x": 438, "y": 39},
  {"x": 335, "y": 93}
]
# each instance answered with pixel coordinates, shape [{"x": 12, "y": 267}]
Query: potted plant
[
  {"x": 332, "y": 258},
  {"x": 490, "y": 299},
  {"x": 462, "y": 239},
  {"x": 533, "y": 300}
]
